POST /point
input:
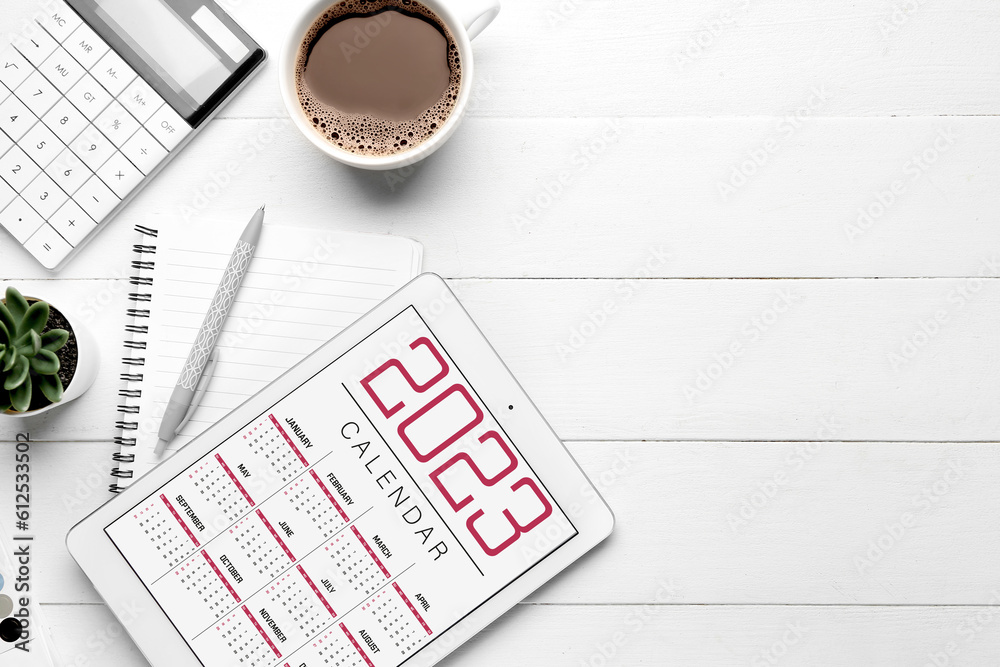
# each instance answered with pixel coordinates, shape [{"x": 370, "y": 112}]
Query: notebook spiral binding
[{"x": 133, "y": 359}]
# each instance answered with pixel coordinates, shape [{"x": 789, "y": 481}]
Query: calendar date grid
[
  {"x": 339, "y": 621},
  {"x": 288, "y": 569},
  {"x": 244, "y": 515}
]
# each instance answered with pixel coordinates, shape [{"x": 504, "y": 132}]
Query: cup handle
[{"x": 479, "y": 15}]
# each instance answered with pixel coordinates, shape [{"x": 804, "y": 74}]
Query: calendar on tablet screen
[{"x": 353, "y": 522}]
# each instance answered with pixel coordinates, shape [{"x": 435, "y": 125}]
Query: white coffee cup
[{"x": 464, "y": 26}]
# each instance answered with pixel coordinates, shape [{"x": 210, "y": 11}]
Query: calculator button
[
  {"x": 37, "y": 93},
  {"x": 117, "y": 124},
  {"x": 44, "y": 196},
  {"x": 86, "y": 46},
  {"x": 62, "y": 70},
  {"x": 168, "y": 127},
  {"x": 7, "y": 194},
  {"x": 113, "y": 73},
  {"x": 65, "y": 121},
  {"x": 141, "y": 100},
  {"x": 72, "y": 223},
  {"x": 41, "y": 145},
  {"x": 96, "y": 199},
  {"x": 18, "y": 169},
  {"x": 120, "y": 175},
  {"x": 20, "y": 220},
  {"x": 93, "y": 148},
  {"x": 60, "y": 21},
  {"x": 89, "y": 97},
  {"x": 5, "y": 143},
  {"x": 68, "y": 171},
  {"x": 48, "y": 247},
  {"x": 14, "y": 68},
  {"x": 35, "y": 44},
  {"x": 15, "y": 118},
  {"x": 144, "y": 151}
]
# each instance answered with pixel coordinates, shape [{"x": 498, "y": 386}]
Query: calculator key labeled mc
[
  {"x": 140, "y": 100},
  {"x": 37, "y": 93},
  {"x": 93, "y": 147},
  {"x": 60, "y": 20},
  {"x": 96, "y": 198},
  {"x": 86, "y": 46},
  {"x": 15, "y": 118},
  {"x": 65, "y": 121},
  {"x": 18, "y": 169},
  {"x": 41, "y": 145},
  {"x": 14, "y": 68},
  {"x": 48, "y": 247},
  {"x": 89, "y": 97},
  {"x": 168, "y": 127},
  {"x": 34, "y": 44},
  {"x": 68, "y": 171},
  {"x": 144, "y": 151},
  {"x": 62, "y": 70},
  {"x": 72, "y": 223},
  {"x": 119, "y": 174},
  {"x": 117, "y": 124},
  {"x": 20, "y": 220},
  {"x": 113, "y": 73}
]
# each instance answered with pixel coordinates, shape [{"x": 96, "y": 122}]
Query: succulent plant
[{"x": 28, "y": 362}]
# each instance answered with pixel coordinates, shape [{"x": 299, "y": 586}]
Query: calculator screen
[
  {"x": 189, "y": 51},
  {"x": 168, "y": 45},
  {"x": 351, "y": 523}
]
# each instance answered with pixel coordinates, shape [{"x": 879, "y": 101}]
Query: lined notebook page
[{"x": 304, "y": 286}]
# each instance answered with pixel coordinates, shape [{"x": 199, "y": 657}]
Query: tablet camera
[{"x": 10, "y": 627}]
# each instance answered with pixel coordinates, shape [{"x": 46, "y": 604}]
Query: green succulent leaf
[
  {"x": 8, "y": 326},
  {"x": 35, "y": 319},
  {"x": 3, "y": 352},
  {"x": 16, "y": 304},
  {"x": 20, "y": 398},
  {"x": 52, "y": 387},
  {"x": 32, "y": 344},
  {"x": 4, "y": 402},
  {"x": 45, "y": 363},
  {"x": 18, "y": 374},
  {"x": 12, "y": 357},
  {"x": 55, "y": 340}
]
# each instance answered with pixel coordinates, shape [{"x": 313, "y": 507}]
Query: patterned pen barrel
[{"x": 183, "y": 400}]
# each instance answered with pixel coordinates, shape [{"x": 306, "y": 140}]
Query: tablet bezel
[{"x": 153, "y": 632}]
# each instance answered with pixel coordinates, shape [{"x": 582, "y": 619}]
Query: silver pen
[{"x": 186, "y": 396}]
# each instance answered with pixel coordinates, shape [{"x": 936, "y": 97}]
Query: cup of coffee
[{"x": 381, "y": 84}]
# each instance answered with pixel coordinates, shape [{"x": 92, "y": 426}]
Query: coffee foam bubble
[{"x": 363, "y": 134}]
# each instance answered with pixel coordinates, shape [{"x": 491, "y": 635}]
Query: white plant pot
[{"x": 88, "y": 363}]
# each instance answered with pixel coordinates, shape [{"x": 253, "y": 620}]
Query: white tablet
[{"x": 378, "y": 504}]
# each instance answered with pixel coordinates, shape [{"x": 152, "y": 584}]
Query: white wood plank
[
  {"x": 659, "y": 367},
  {"x": 681, "y": 635},
  {"x": 595, "y": 58},
  {"x": 89, "y": 635},
  {"x": 491, "y": 203},
  {"x": 569, "y": 57},
  {"x": 728, "y": 523}
]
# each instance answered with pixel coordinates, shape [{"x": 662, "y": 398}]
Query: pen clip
[{"x": 206, "y": 378}]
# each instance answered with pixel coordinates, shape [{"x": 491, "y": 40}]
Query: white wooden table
[{"x": 827, "y": 496}]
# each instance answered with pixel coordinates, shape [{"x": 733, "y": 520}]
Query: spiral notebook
[{"x": 304, "y": 286}]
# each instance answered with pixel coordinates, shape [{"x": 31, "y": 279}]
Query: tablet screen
[{"x": 351, "y": 523}]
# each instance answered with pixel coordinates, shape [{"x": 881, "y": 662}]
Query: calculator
[{"x": 97, "y": 96}]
